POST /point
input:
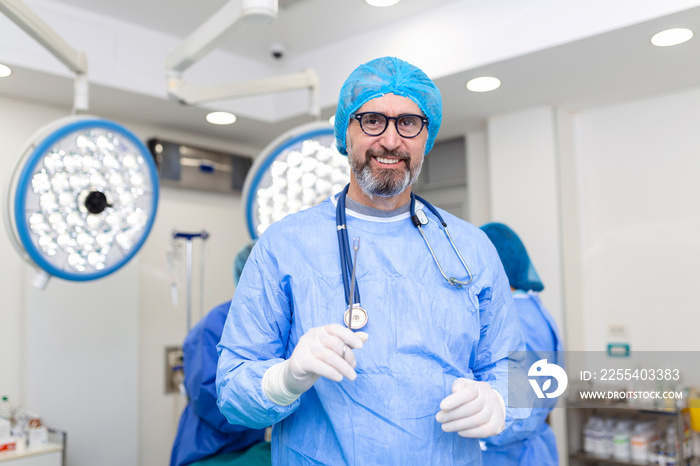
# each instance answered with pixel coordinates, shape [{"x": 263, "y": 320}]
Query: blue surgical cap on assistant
[
  {"x": 387, "y": 75},
  {"x": 241, "y": 259},
  {"x": 516, "y": 262}
]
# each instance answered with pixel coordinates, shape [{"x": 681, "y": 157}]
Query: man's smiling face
[{"x": 387, "y": 164}]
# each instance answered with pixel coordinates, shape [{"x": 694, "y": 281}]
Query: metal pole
[
  {"x": 189, "y": 284},
  {"x": 189, "y": 237}
]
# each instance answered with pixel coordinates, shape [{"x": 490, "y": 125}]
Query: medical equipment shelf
[
  {"x": 582, "y": 458},
  {"x": 621, "y": 406},
  {"x": 578, "y": 413},
  {"x": 48, "y": 455},
  {"x": 51, "y": 454}
]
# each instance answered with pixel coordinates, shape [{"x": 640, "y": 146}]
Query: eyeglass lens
[{"x": 374, "y": 124}]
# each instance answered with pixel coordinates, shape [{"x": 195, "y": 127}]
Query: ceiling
[
  {"x": 296, "y": 25},
  {"x": 593, "y": 67}
]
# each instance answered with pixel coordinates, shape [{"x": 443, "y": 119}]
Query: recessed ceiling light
[
  {"x": 221, "y": 118},
  {"x": 672, "y": 37},
  {"x": 382, "y": 3},
  {"x": 5, "y": 71},
  {"x": 484, "y": 84}
]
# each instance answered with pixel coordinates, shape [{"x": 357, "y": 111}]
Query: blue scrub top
[
  {"x": 530, "y": 442},
  {"x": 203, "y": 431},
  {"x": 423, "y": 334}
]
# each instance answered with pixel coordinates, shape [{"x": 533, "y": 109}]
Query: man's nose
[{"x": 390, "y": 139}]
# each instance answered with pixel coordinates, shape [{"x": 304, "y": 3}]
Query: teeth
[{"x": 389, "y": 161}]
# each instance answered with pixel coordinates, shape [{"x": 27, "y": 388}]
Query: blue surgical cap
[
  {"x": 516, "y": 262},
  {"x": 387, "y": 75},
  {"x": 240, "y": 261}
]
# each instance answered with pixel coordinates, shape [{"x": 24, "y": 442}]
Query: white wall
[
  {"x": 478, "y": 203},
  {"x": 639, "y": 165},
  {"x": 632, "y": 193},
  {"x": 523, "y": 171},
  {"x": 89, "y": 357},
  {"x": 161, "y": 324},
  {"x": 524, "y": 191},
  {"x": 606, "y": 202}
]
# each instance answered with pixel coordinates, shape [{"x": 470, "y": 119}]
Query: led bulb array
[
  {"x": 86, "y": 200},
  {"x": 64, "y": 183},
  {"x": 299, "y": 173}
]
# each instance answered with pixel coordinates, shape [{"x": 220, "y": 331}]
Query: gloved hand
[
  {"x": 474, "y": 410},
  {"x": 321, "y": 352}
]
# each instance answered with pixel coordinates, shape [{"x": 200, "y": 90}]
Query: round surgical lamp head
[
  {"x": 296, "y": 171},
  {"x": 82, "y": 199}
]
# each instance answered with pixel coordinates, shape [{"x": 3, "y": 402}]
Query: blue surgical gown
[
  {"x": 531, "y": 442},
  {"x": 203, "y": 431},
  {"x": 423, "y": 334}
]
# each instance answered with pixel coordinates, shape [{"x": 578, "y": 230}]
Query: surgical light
[
  {"x": 5, "y": 71},
  {"x": 82, "y": 199},
  {"x": 221, "y": 118},
  {"x": 298, "y": 170},
  {"x": 484, "y": 84},
  {"x": 671, "y": 37}
]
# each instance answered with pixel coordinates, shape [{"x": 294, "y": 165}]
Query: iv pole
[{"x": 189, "y": 237}]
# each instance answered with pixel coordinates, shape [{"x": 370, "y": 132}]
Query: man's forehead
[{"x": 391, "y": 103}]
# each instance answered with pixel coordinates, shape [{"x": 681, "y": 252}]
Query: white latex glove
[
  {"x": 321, "y": 352},
  {"x": 474, "y": 410}
]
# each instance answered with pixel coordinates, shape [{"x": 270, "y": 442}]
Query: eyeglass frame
[{"x": 358, "y": 117}]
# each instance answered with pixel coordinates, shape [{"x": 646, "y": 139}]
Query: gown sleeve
[
  {"x": 200, "y": 361},
  {"x": 542, "y": 342},
  {"x": 501, "y": 345},
  {"x": 254, "y": 338}
]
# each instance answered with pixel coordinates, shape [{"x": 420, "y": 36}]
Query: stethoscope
[{"x": 356, "y": 316}]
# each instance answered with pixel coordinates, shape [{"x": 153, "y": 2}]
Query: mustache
[{"x": 397, "y": 154}]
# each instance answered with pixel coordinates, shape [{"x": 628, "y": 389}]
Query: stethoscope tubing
[
  {"x": 346, "y": 263},
  {"x": 344, "y": 244},
  {"x": 451, "y": 280}
]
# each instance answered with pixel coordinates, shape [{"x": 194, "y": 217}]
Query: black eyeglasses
[{"x": 374, "y": 124}]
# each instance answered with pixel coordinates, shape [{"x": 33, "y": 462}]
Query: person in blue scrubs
[
  {"x": 427, "y": 375},
  {"x": 530, "y": 441},
  {"x": 204, "y": 436}
]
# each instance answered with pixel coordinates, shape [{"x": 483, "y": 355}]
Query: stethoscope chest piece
[{"x": 359, "y": 317}]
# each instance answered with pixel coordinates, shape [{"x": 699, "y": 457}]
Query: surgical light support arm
[
  {"x": 210, "y": 33},
  {"x": 75, "y": 60},
  {"x": 193, "y": 94},
  {"x": 207, "y": 36}
]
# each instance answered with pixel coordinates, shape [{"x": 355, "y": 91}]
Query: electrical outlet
[{"x": 174, "y": 373}]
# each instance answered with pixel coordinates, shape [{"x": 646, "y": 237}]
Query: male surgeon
[{"x": 427, "y": 373}]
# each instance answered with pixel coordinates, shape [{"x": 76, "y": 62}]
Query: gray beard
[{"x": 385, "y": 182}]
